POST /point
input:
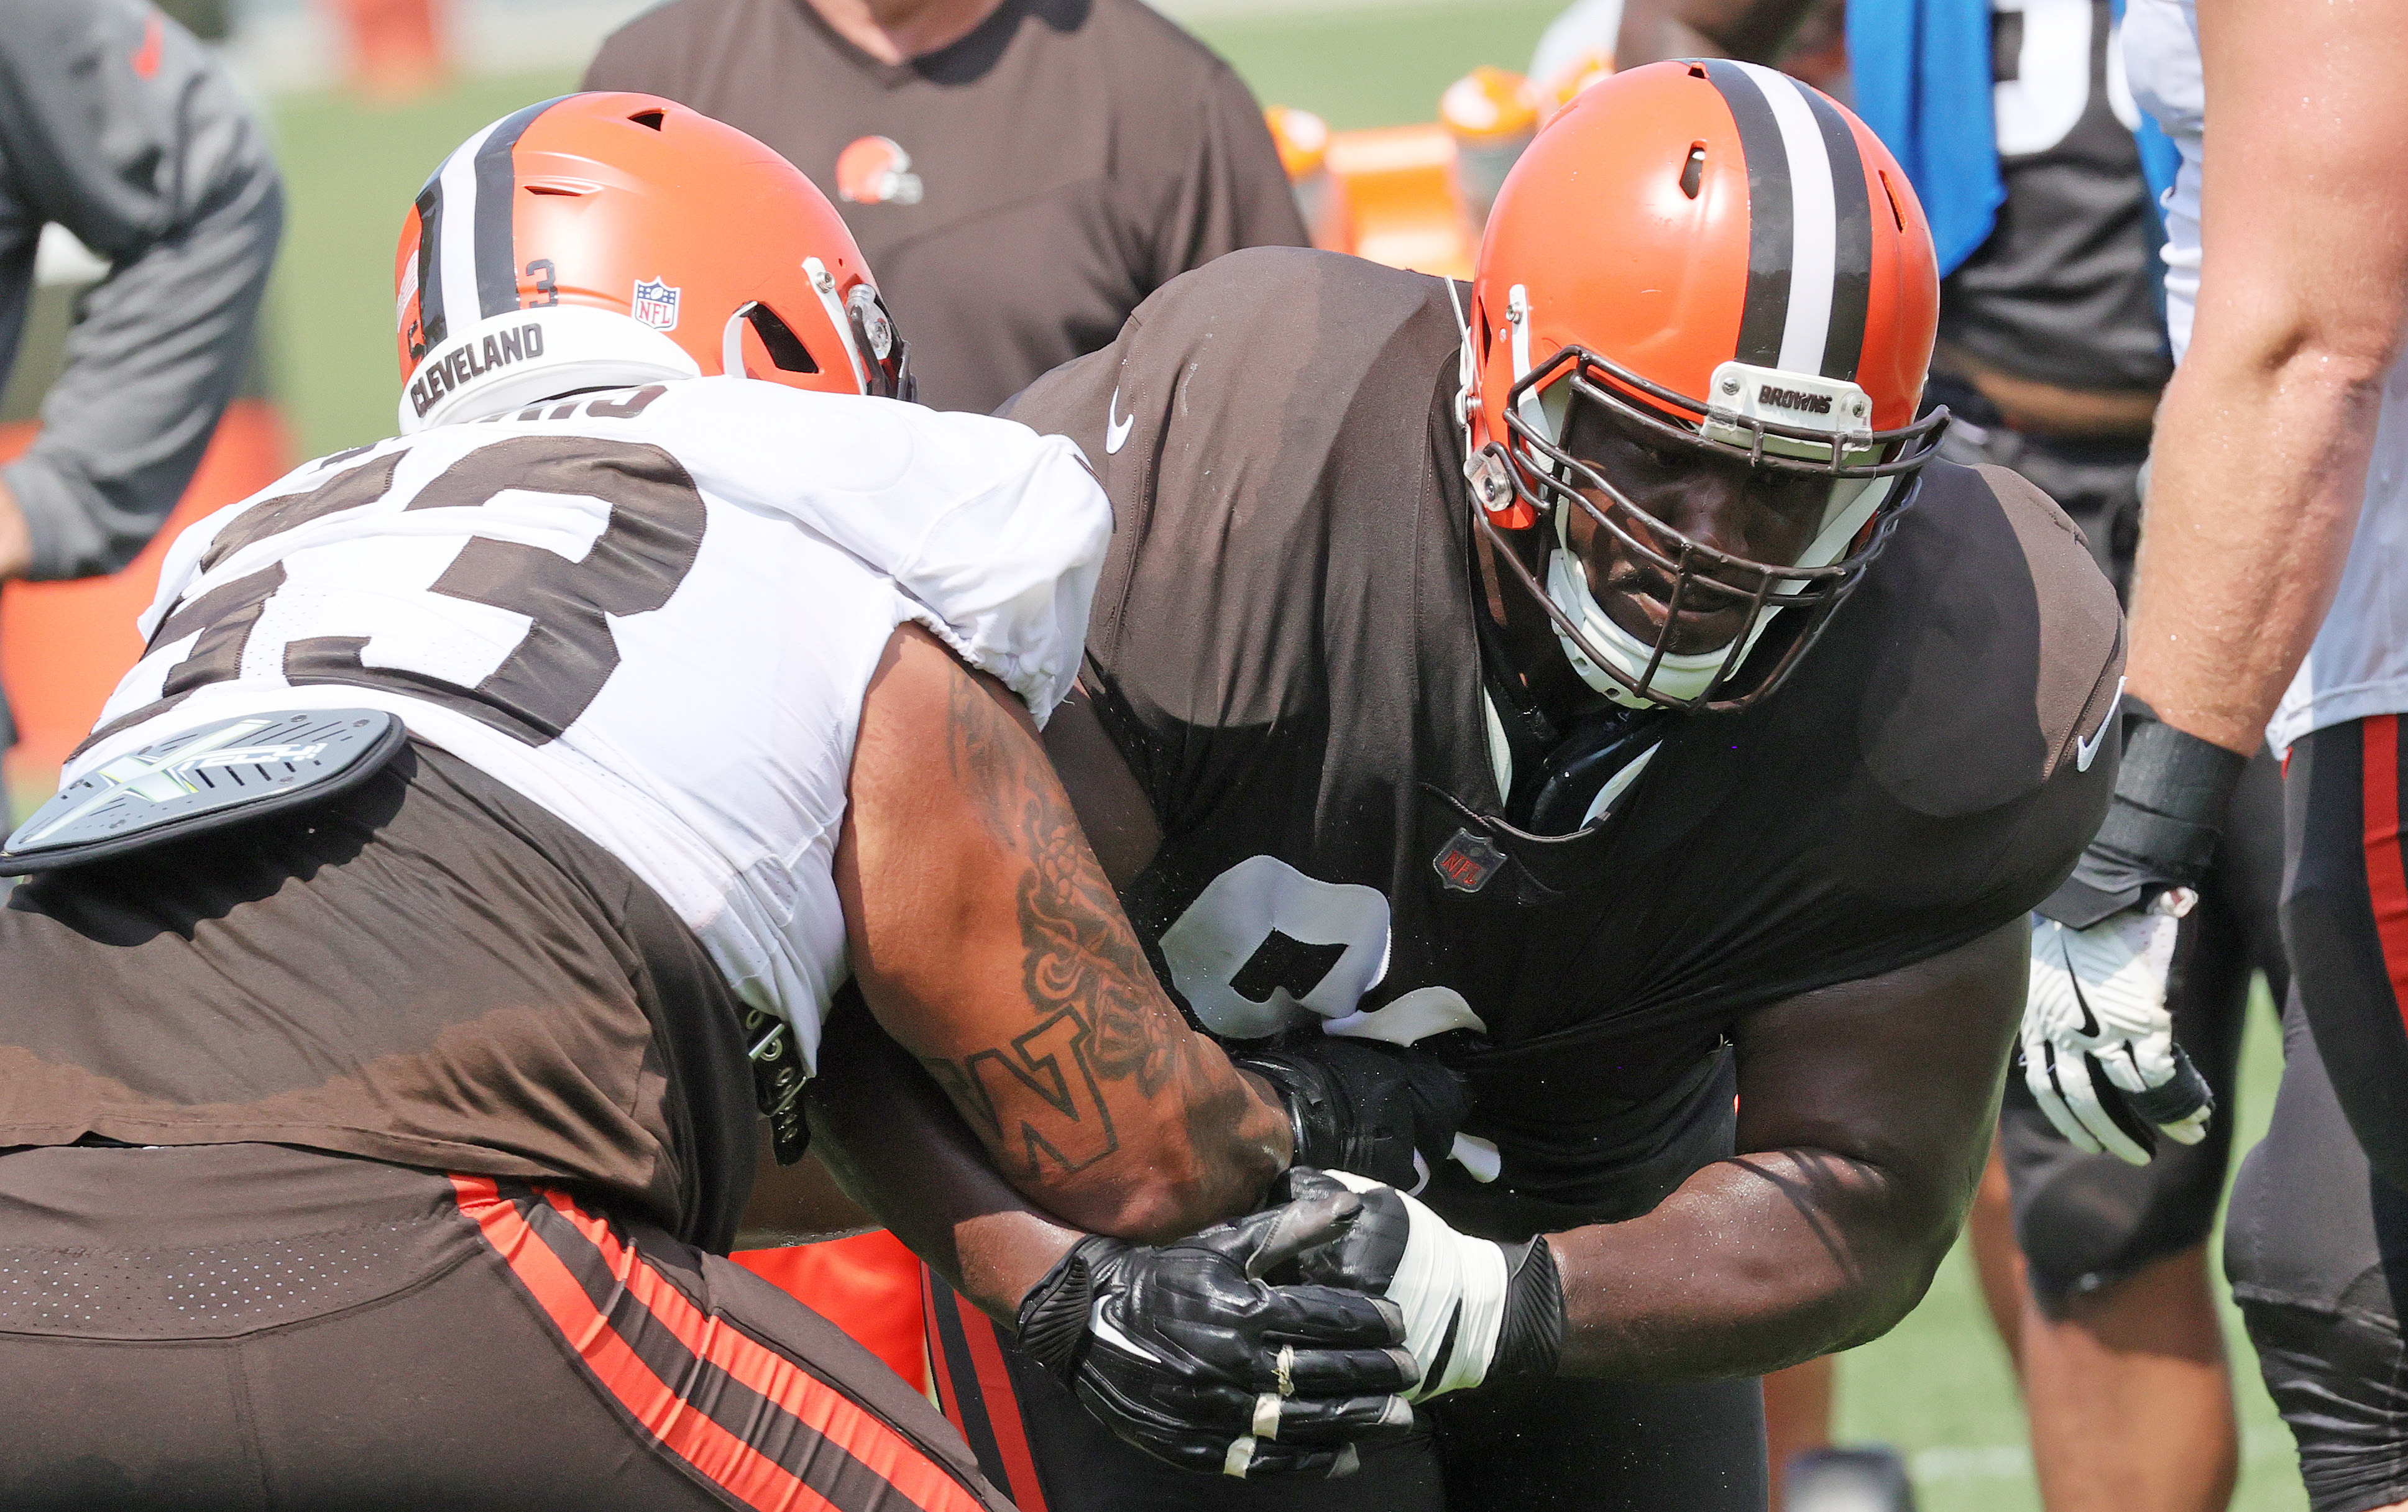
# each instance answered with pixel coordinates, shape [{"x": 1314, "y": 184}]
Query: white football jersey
[
  {"x": 2357, "y": 667},
  {"x": 653, "y": 611}
]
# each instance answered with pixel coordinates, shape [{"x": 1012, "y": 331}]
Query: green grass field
[{"x": 1938, "y": 1386}]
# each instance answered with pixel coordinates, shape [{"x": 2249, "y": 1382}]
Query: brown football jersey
[
  {"x": 1286, "y": 647},
  {"x": 1018, "y": 192}
]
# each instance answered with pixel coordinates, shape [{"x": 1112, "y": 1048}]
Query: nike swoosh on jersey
[
  {"x": 2086, "y": 751},
  {"x": 1116, "y": 431}
]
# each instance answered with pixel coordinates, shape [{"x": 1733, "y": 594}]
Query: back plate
[{"x": 231, "y": 771}]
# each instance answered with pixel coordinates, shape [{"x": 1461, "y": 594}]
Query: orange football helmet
[
  {"x": 601, "y": 240},
  {"x": 1733, "y": 260}
]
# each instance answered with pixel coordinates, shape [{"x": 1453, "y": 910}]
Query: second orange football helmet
[{"x": 600, "y": 240}]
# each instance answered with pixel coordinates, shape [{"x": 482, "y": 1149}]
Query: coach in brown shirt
[{"x": 1022, "y": 173}]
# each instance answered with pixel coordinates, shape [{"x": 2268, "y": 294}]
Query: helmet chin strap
[
  {"x": 1467, "y": 368},
  {"x": 1854, "y": 500}
]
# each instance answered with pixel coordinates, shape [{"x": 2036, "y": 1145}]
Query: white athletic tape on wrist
[{"x": 1445, "y": 1277}]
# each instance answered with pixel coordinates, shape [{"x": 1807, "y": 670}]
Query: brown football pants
[{"x": 255, "y": 1326}]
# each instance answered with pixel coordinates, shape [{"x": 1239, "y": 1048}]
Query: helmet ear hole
[
  {"x": 1889, "y": 193},
  {"x": 777, "y": 338}
]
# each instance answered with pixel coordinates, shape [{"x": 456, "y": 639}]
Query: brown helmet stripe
[
  {"x": 1852, "y": 262},
  {"x": 431, "y": 326},
  {"x": 1770, "y": 230},
  {"x": 497, "y": 272}
]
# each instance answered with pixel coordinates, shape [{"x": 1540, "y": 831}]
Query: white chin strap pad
[
  {"x": 1853, "y": 502},
  {"x": 520, "y": 356}
]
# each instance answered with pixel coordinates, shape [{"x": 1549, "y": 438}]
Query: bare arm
[
  {"x": 2262, "y": 443},
  {"x": 1866, "y": 1110},
  {"x": 16, "y": 544},
  {"x": 800, "y": 1203},
  {"x": 987, "y": 941},
  {"x": 1867, "y": 1106},
  {"x": 898, "y": 1146}
]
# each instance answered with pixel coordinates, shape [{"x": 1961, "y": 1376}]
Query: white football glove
[
  {"x": 1473, "y": 1308},
  {"x": 2097, "y": 1004}
]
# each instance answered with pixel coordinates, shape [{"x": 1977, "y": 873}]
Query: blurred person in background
[
  {"x": 2052, "y": 352},
  {"x": 2266, "y": 607},
  {"x": 120, "y": 127},
  {"x": 1803, "y": 38},
  {"x": 1022, "y": 172}
]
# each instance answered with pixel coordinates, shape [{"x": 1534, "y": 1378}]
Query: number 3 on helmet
[
  {"x": 603, "y": 240},
  {"x": 1734, "y": 263}
]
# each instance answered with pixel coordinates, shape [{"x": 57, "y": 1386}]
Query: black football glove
[
  {"x": 1185, "y": 1352},
  {"x": 1386, "y": 1112},
  {"x": 1475, "y": 1310}
]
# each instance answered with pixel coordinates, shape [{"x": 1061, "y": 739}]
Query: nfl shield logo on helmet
[
  {"x": 656, "y": 306},
  {"x": 1466, "y": 863}
]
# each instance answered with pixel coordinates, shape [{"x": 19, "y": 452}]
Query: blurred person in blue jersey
[{"x": 117, "y": 125}]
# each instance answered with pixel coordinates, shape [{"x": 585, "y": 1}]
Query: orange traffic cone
[{"x": 396, "y": 47}]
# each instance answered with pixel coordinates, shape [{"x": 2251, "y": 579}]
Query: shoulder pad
[{"x": 2001, "y": 650}]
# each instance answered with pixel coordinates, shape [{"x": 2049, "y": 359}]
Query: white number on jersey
[
  {"x": 1263, "y": 948},
  {"x": 640, "y": 551}
]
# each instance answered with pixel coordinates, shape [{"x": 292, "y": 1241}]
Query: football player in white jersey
[
  {"x": 2268, "y": 605},
  {"x": 473, "y": 857}
]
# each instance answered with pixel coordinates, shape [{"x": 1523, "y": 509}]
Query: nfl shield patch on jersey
[{"x": 1467, "y": 862}]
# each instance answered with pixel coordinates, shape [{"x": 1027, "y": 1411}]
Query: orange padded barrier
[
  {"x": 867, "y": 1285},
  {"x": 63, "y": 646}
]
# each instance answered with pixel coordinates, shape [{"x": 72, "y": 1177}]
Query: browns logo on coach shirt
[{"x": 1020, "y": 191}]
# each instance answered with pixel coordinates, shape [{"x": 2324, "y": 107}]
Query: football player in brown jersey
[{"x": 1591, "y": 681}]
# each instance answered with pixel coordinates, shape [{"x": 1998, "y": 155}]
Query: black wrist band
[
  {"x": 2162, "y": 828},
  {"x": 1309, "y": 1121},
  {"x": 1053, "y": 1319},
  {"x": 1532, "y": 1337}
]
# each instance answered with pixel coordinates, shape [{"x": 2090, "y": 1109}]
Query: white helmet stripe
[
  {"x": 1810, "y": 227},
  {"x": 1813, "y": 220},
  {"x": 450, "y": 281}
]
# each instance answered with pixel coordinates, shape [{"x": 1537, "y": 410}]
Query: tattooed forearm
[{"x": 1098, "y": 1017}]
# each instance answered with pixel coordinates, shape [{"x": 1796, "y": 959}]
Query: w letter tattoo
[{"x": 1099, "y": 1012}]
